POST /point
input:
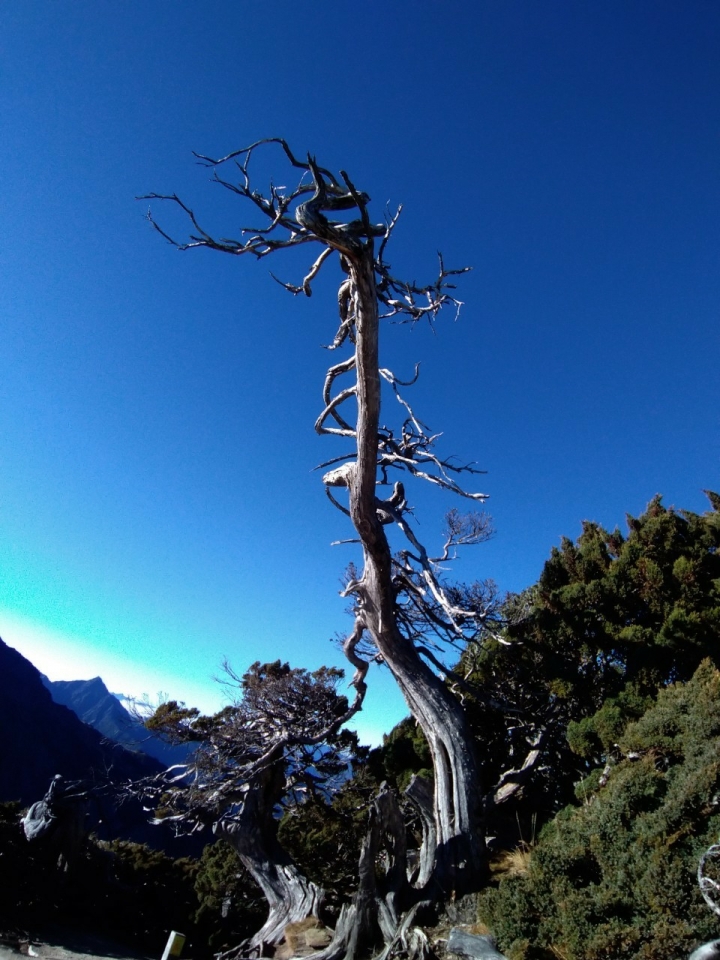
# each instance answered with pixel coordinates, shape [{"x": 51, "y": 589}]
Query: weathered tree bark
[
  {"x": 58, "y": 822},
  {"x": 253, "y": 835},
  {"x": 460, "y": 859},
  {"x": 379, "y": 911},
  {"x": 420, "y": 792}
]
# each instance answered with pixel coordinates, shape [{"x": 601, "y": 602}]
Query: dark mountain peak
[
  {"x": 94, "y": 704},
  {"x": 41, "y": 738},
  {"x": 19, "y": 678}
]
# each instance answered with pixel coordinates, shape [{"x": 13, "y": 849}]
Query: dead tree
[{"x": 404, "y": 612}]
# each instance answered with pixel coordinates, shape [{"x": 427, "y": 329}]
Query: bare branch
[
  {"x": 513, "y": 781},
  {"x": 402, "y": 298},
  {"x": 390, "y": 226},
  {"x": 392, "y": 379},
  {"x": 248, "y": 151},
  {"x": 339, "y": 459},
  {"x": 339, "y": 506},
  {"x": 709, "y": 888},
  {"x": 309, "y": 277},
  {"x": 345, "y": 430}
]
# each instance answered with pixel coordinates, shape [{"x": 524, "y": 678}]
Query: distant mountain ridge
[
  {"x": 40, "y": 738},
  {"x": 93, "y": 703}
]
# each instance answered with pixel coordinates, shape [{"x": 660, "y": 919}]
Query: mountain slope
[
  {"x": 95, "y": 705},
  {"x": 40, "y": 738}
]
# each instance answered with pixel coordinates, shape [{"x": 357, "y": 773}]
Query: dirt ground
[{"x": 58, "y": 944}]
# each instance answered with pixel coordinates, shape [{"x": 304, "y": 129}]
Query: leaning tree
[
  {"x": 405, "y": 612},
  {"x": 278, "y": 741}
]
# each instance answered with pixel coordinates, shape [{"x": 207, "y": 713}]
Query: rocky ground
[{"x": 54, "y": 942}]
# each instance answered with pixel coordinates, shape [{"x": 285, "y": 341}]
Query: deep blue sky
[{"x": 157, "y": 505}]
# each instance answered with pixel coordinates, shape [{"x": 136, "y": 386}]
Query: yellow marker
[{"x": 173, "y": 948}]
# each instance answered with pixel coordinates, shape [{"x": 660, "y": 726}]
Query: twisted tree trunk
[
  {"x": 379, "y": 912},
  {"x": 253, "y": 835}
]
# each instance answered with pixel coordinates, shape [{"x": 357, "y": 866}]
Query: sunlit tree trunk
[
  {"x": 459, "y": 855},
  {"x": 453, "y": 856}
]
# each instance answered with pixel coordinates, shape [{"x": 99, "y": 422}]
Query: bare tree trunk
[
  {"x": 253, "y": 835},
  {"x": 460, "y": 852},
  {"x": 376, "y": 914},
  {"x": 459, "y": 834},
  {"x": 420, "y": 792}
]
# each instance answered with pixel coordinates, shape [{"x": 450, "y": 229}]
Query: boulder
[
  {"x": 303, "y": 938},
  {"x": 477, "y": 946},
  {"x": 708, "y": 951}
]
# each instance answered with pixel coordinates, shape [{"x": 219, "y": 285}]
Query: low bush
[{"x": 616, "y": 877}]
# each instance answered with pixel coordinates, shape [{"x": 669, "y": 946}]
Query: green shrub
[
  {"x": 231, "y": 905},
  {"x": 616, "y": 878}
]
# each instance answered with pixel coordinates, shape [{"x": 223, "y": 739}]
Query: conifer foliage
[
  {"x": 612, "y": 618},
  {"x": 617, "y": 877}
]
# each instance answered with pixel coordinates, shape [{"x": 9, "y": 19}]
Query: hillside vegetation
[
  {"x": 616, "y": 876},
  {"x": 604, "y": 673},
  {"x": 616, "y": 646}
]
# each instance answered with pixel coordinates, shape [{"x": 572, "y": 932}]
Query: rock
[
  {"x": 708, "y": 951},
  {"x": 303, "y": 938},
  {"x": 462, "y": 911},
  {"x": 473, "y": 945}
]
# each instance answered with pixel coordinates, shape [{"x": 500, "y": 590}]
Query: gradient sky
[{"x": 158, "y": 509}]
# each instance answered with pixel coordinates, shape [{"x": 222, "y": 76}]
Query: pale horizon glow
[{"x": 62, "y": 656}]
